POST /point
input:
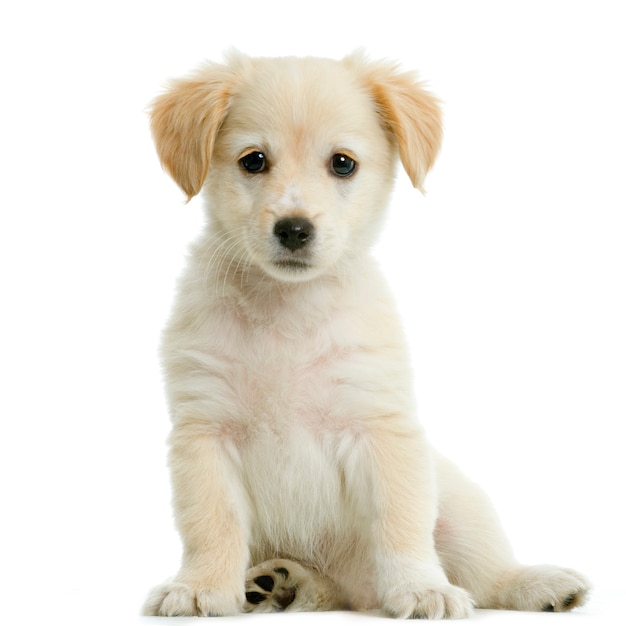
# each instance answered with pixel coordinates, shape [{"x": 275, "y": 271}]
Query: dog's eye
[
  {"x": 342, "y": 165},
  {"x": 254, "y": 162}
]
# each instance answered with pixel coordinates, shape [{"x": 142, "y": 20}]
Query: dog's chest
[
  {"x": 288, "y": 377},
  {"x": 293, "y": 478},
  {"x": 289, "y": 432}
]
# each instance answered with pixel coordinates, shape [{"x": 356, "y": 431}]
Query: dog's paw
[
  {"x": 545, "y": 588},
  {"x": 282, "y": 585},
  {"x": 434, "y": 602},
  {"x": 177, "y": 599}
]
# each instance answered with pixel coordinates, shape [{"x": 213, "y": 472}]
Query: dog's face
[
  {"x": 296, "y": 155},
  {"x": 301, "y": 167}
]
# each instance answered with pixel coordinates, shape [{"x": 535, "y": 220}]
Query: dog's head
[{"x": 297, "y": 156}]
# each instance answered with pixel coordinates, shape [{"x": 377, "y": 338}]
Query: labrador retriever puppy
[{"x": 302, "y": 480}]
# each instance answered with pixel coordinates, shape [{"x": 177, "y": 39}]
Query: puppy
[{"x": 301, "y": 478}]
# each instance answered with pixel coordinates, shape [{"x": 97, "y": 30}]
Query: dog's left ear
[{"x": 410, "y": 113}]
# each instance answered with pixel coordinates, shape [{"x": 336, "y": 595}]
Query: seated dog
[{"x": 302, "y": 480}]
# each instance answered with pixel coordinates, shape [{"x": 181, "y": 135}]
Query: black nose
[{"x": 294, "y": 232}]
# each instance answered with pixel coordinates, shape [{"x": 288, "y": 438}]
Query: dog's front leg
[
  {"x": 211, "y": 517},
  {"x": 411, "y": 582}
]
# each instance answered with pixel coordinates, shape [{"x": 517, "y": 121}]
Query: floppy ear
[
  {"x": 185, "y": 121},
  {"x": 408, "y": 111}
]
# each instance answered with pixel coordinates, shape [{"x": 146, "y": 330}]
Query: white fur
[{"x": 294, "y": 431}]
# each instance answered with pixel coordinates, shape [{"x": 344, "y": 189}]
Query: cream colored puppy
[{"x": 301, "y": 478}]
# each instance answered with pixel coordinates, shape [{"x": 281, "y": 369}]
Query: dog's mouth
[
  {"x": 296, "y": 265},
  {"x": 292, "y": 269}
]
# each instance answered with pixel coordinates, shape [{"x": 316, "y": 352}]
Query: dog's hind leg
[
  {"x": 476, "y": 554},
  {"x": 284, "y": 585}
]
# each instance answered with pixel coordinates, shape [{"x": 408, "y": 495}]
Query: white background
[{"x": 510, "y": 275}]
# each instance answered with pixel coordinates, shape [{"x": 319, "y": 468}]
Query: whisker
[
  {"x": 219, "y": 247},
  {"x": 226, "y": 254}
]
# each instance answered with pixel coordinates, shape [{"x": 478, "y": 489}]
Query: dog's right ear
[{"x": 185, "y": 121}]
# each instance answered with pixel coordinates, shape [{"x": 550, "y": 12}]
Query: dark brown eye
[
  {"x": 342, "y": 165},
  {"x": 254, "y": 162}
]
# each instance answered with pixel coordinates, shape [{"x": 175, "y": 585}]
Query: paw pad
[
  {"x": 272, "y": 591},
  {"x": 569, "y": 602}
]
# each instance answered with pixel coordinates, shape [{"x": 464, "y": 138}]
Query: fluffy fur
[{"x": 301, "y": 478}]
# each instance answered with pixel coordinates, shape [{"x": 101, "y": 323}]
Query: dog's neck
[{"x": 272, "y": 303}]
